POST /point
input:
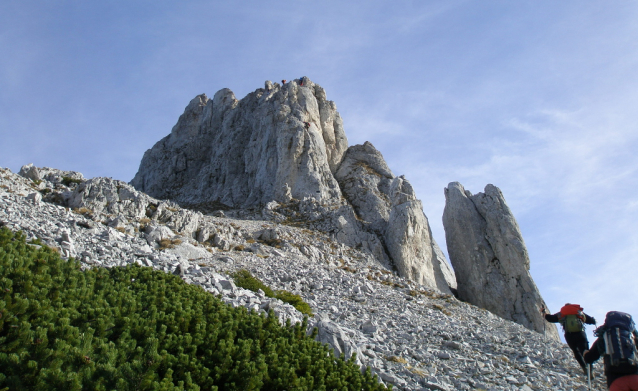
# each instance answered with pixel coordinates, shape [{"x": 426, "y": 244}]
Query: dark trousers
[{"x": 578, "y": 344}]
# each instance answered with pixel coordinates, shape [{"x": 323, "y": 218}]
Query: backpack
[
  {"x": 619, "y": 342},
  {"x": 572, "y": 318}
]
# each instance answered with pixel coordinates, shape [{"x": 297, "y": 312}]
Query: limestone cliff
[
  {"x": 489, "y": 257},
  {"x": 286, "y": 143}
]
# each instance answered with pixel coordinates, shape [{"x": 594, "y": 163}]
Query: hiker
[
  {"x": 617, "y": 342},
  {"x": 283, "y": 82},
  {"x": 573, "y": 320},
  {"x": 306, "y": 125}
]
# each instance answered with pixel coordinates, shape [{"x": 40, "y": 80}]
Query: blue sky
[{"x": 536, "y": 97}]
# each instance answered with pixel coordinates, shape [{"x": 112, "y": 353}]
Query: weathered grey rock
[
  {"x": 330, "y": 333},
  {"x": 439, "y": 258},
  {"x": 189, "y": 251},
  {"x": 156, "y": 233},
  {"x": 389, "y": 208},
  {"x": 30, "y": 171},
  {"x": 35, "y": 197},
  {"x": 284, "y": 145},
  {"x": 243, "y": 153},
  {"x": 109, "y": 196},
  {"x": 490, "y": 258},
  {"x": 409, "y": 239},
  {"x": 365, "y": 180}
]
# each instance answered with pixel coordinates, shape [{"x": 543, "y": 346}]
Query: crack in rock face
[{"x": 489, "y": 257}]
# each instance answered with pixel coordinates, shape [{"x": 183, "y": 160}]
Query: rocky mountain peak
[{"x": 286, "y": 144}]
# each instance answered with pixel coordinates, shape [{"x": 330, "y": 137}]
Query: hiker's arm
[
  {"x": 589, "y": 319},
  {"x": 592, "y": 354},
  {"x": 551, "y": 318}
]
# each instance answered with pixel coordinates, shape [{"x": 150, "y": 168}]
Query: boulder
[
  {"x": 489, "y": 257},
  {"x": 109, "y": 196},
  {"x": 330, "y": 333}
]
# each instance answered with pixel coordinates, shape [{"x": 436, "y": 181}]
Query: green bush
[
  {"x": 67, "y": 180},
  {"x": 294, "y": 300},
  {"x": 136, "y": 328},
  {"x": 244, "y": 279}
]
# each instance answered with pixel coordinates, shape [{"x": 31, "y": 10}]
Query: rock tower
[
  {"x": 286, "y": 143},
  {"x": 489, "y": 257}
]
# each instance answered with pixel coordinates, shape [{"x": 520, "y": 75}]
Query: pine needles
[{"x": 135, "y": 328}]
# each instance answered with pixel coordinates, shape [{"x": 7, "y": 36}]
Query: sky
[{"x": 535, "y": 97}]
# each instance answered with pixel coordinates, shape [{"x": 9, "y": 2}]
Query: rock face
[
  {"x": 243, "y": 154},
  {"x": 287, "y": 144},
  {"x": 489, "y": 257}
]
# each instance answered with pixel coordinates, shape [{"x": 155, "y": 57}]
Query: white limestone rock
[
  {"x": 365, "y": 180},
  {"x": 409, "y": 239},
  {"x": 284, "y": 147},
  {"x": 243, "y": 153},
  {"x": 156, "y": 233},
  {"x": 189, "y": 251},
  {"x": 332, "y": 334},
  {"x": 389, "y": 208},
  {"x": 30, "y": 171},
  {"x": 489, "y": 257},
  {"x": 109, "y": 196}
]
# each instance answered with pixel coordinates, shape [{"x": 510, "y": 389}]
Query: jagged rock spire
[{"x": 489, "y": 257}]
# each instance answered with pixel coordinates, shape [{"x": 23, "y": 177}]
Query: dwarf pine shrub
[
  {"x": 135, "y": 328},
  {"x": 244, "y": 279}
]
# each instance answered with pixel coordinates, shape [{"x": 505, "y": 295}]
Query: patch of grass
[
  {"x": 168, "y": 243},
  {"x": 244, "y": 279},
  {"x": 272, "y": 242},
  {"x": 398, "y": 359},
  {"x": 144, "y": 222},
  {"x": 294, "y": 300},
  {"x": 86, "y": 212},
  {"x": 441, "y": 308},
  {"x": 67, "y": 180}
]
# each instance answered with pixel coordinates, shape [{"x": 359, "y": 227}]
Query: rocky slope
[
  {"x": 412, "y": 336},
  {"x": 284, "y": 147}
]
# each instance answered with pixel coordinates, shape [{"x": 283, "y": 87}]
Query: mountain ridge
[{"x": 411, "y": 336}]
